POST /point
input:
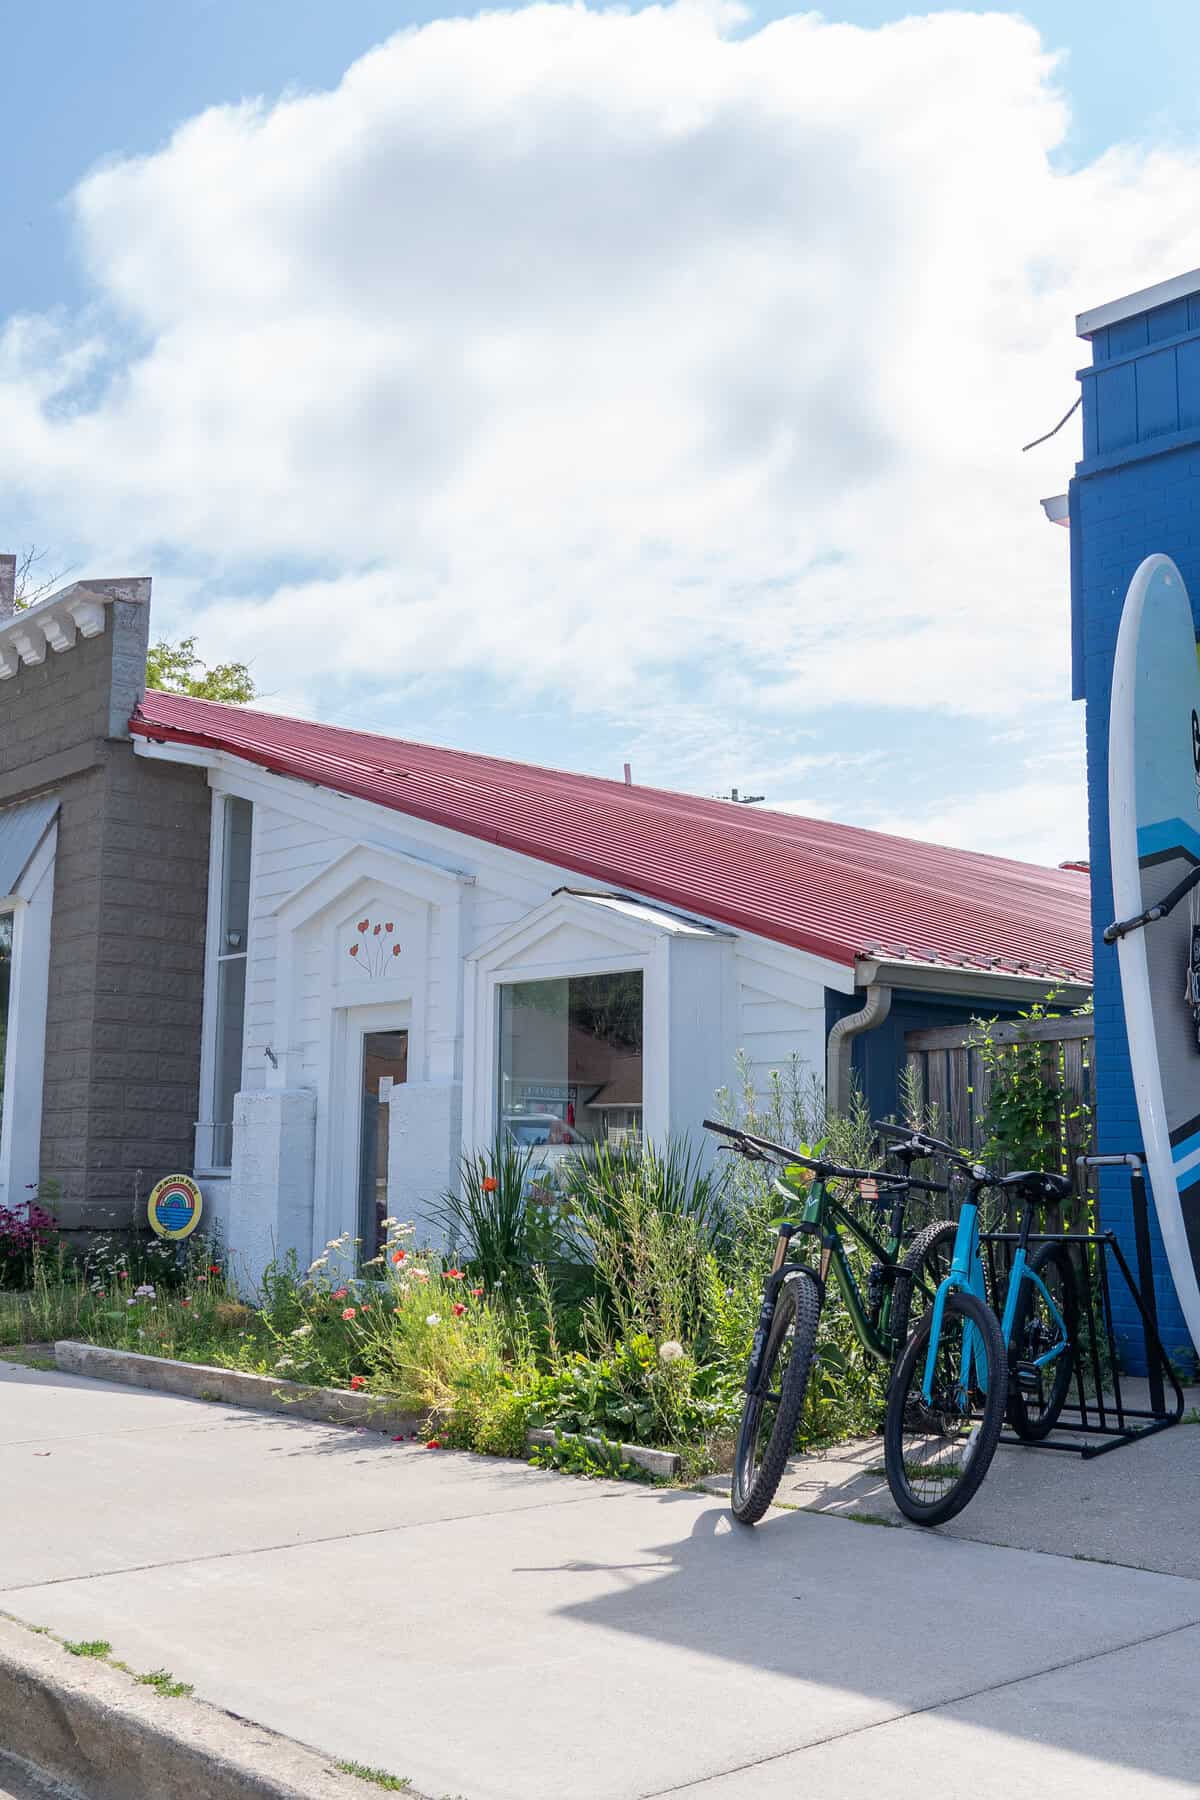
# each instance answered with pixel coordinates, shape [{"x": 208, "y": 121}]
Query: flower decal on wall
[{"x": 376, "y": 949}]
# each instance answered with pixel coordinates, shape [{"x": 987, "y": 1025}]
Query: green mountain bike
[{"x": 898, "y": 1289}]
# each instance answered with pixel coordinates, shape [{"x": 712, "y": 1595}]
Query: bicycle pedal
[{"x": 1028, "y": 1378}]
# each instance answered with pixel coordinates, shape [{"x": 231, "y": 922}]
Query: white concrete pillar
[
  {"x": 424, "y": 1144},
  {"x": 271, "y": 1190}
]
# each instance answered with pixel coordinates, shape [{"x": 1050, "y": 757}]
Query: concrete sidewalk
[{"x": 510, "y": 1634}]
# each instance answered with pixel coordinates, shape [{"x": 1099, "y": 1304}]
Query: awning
[{"x": 22, "y": 829}]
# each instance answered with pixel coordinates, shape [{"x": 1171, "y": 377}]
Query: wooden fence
[{"x": 956, "y": 1083}]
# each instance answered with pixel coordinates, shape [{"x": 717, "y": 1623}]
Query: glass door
[{"x": 384, "y": 1063}]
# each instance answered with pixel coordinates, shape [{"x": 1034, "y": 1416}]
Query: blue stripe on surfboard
[
  {"x": 1186, "y": 1155},
  {"x": 1165, "y": 836}
]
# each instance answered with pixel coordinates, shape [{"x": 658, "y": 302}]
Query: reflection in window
[
  {"x": 6, "y": 948},
  {"x": 231, "y": 974},
  {"x": 571, "y": 1059}
]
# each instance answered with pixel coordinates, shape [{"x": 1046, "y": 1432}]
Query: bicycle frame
[
  {"x": 966, "y": 1274},
  {"x": 825, "y": 1217}
]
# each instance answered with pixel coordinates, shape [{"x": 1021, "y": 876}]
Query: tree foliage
[{"x": 178, "y": 669}]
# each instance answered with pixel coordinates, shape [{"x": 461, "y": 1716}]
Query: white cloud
[{"x": 652, "y": 365}]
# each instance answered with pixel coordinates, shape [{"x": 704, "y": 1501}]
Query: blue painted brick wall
[{"x": 1124, "y": 507}]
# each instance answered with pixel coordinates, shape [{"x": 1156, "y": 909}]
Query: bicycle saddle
[{"x": 1038, "y": 1184}]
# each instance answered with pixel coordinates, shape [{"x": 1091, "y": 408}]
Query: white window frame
[
  {"x": 571, "y": 969},
  {"x": 31, "y": 906},
  {"x": 214, "y": 957}
]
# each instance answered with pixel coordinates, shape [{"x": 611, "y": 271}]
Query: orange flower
[
  {"x": 489, "y": 1184},
  {"x": 399, "y": 1256}
]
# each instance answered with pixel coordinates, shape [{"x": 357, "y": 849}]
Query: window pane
[
  {"x": 6, "y": 945},
  {"x": 231, "y": 1013},
  {"x": 235, "y": 877},
  {"x": 571, "y": 1059}
]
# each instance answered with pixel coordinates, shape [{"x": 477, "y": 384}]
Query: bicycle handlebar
[{"x": 760, "y": 1149}]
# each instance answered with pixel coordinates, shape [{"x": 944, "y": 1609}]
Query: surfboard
[{"x": 1154, "y": 829}]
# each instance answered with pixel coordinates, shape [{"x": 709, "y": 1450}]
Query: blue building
[{"x": 1136, "y": 490}]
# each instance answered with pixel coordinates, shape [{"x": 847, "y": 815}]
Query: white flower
[
  {"x": 302, "y": 1331},
  {"x": 285, "y": 1362},
  {"x": 141, "y": 1333},
  {"x": 433, "y": 1318},
  {"x": 319, "y": 1264},
  {"x": 671, "y": 1351},
  {"x": 132, "y": 1303},
  {"x": 145, "y": 1292}
]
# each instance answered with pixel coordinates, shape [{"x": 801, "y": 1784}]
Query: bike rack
[{"x": 1103, "y": 1414}]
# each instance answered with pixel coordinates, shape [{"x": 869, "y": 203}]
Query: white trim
[
  {"x": 51, "y": 624},
  {"x": 1130, "y": 305},
  {"x": 32, "y": 907},
  {"x": 1131, "y": 949},
  {"x": 204, "y": 1147}
]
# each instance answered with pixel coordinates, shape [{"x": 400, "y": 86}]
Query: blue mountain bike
[{"x": 963, "y": 1369}]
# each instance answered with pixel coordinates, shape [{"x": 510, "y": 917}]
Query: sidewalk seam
[
  {"x": 340, "y": 1537},
  {"x": 916, "y": 1712}
]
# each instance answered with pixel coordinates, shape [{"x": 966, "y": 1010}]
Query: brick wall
[{"x": 127, "y": 941}]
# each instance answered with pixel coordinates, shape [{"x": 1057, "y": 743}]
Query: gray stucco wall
[{"x": 127, "y": 944}]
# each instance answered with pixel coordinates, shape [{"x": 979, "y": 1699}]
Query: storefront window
[
  {"x": 6, "y": 948},
  {"x": 231, "y": 974},
  {"x": 571, "y": 1059}
]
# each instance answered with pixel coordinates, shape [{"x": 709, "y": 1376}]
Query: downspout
[{"x": 841, "y": 1035}]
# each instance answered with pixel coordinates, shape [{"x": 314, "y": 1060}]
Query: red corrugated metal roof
[{"x": 832, "y": 889}]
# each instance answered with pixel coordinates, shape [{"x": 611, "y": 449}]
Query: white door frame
[{"x": 351, "y": 1024}]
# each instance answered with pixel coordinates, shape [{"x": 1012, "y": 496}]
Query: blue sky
[{"x": 673, "y": 496}]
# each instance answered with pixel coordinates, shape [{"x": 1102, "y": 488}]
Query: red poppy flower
[
  {"x": 340, "y": 1293},
  {"x": 185, "y": 1303},
  {"x": 454, "y": 1275},
  {"x": 459, "y": 1308},
  {"x": 124, "y": 1274},
  {"x": 399, "y": 1256},
  {"x": 476, "y": 1292},
  {"x": 489, "y": 1184},
  {"x": 434, "y": 1444},
  {"x": 358, "y": 1381},
  {"x": 214, "y": 1268}
]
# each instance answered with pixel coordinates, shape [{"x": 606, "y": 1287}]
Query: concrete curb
[
  {"x": 331, "y": 1406},
  {"x": 88, "y": 1725},
  {"x": 655, "y": 1462},
  {"x": 197, "y": 1381}
]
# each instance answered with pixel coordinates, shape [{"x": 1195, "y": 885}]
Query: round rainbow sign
[{"x": 174, "y": 1207}]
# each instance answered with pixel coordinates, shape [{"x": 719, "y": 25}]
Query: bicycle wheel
[
  {"x": 1037, "y": 1396},
  {"x": 928, "y": 1258},
  {"x": 771, "y": 1416},
  {"x": 938, "y": 1451}
]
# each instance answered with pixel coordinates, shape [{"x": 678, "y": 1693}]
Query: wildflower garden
[{"x": 613, "y": 1294}]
